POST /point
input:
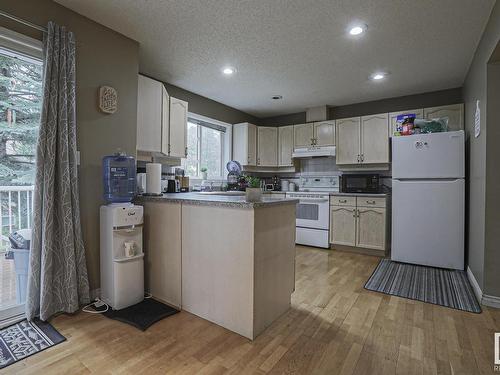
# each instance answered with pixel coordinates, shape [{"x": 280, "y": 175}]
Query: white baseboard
[
  {"x": 484, "y": 299},
  {"x": 491, "y": 301},
  {"x": 475, "y": 285}
]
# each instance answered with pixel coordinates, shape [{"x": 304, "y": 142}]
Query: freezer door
[
  {"x": 428, "y": 222},
  {"x": 436, "y": 155}
]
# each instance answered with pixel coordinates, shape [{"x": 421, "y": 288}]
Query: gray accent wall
[
  {"x": 210, "y": 108},
  {"x": 103, "y": 57},
  {"x": 483, "y": 154},
  {"x": 401, "y": 103}
]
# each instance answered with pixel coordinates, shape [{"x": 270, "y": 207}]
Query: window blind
[{"x": 207, "y": 124}]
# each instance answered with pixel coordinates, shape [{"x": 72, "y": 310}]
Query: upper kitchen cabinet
[
  {"x": 374, "y": 139},
  {"x": 303, "y": 135},
  {"x": 393, "y": 117},
  {"x": 285, "y": 146},
  {"x": 161, "y": 120},
  {"x": 348, "y": 144},
  {"x": 454, "y": 112},
  {"x": 267, "y": 146},
  {"x": 152, "y": 116},
  {"x": 363, "y": 140},
  {"x": 324, "y": 133},
  {"x": 178, "y": 128},
  {"x": 245, "y": 143},
  {"x": 315, "y": 134}
]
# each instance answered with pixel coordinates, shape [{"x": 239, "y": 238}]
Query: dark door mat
[
  {"x": 439, "y": 286},
  {"x": 24, "y": 339},
  {"x": 143, "y": 314}
]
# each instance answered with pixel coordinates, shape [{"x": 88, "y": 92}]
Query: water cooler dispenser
[
  {"x": 122, "y": 256},
  {"x": 122, "y": 263}
]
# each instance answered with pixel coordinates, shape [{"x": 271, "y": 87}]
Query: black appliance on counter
[{"x": 360, "y": 183}]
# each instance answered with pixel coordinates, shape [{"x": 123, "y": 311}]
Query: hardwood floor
[{"x": 335, "y": 326}]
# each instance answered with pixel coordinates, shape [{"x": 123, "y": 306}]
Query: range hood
[{"x": 313, "y": 152}]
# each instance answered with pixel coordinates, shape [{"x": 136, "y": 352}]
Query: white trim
[
  {"x": 12, "y": 320},
  {"x": 484, "y": 299},
  {"x": 491, "y": 301},
  {"x": 475, "y": 285},
  {"x": 227, "y": 145},
  {"x": 21, "y": 43}
]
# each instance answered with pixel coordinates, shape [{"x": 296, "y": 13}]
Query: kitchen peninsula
[{"x": 226, "y": 260}]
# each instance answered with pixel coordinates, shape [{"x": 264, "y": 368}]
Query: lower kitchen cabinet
[
  {"x": 370, "y": 228},
  {"x": 359, "y": 222},
  {"x": 343, "y": 225},
  {"x": 163, "y": 252}
]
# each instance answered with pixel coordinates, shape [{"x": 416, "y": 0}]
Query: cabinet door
[
  {"x": 394, "y": 115},
  {"x": 371, "y": 228},
  {"x": 454, "y": 112},
  {"x": 374, "y": 139},
  {"x": 303, "y": 135},
  {"x": 165, "y": 122},
  {"x": 267, "y": 145},
  {"x": 285, "y": 146},
  {"x": 348, "y": 147},
  {"x": 245, "y": 143},
  {"x": 178, "y": 128},
  {"x": 252, "y": 144},
  {"x": 149, "y": 115},
  {"x": 162, "y": 251},
  {"x": 343, "y": 225},
  {"x": 324, "y": 133}
]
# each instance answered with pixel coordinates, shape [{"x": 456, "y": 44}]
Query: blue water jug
[{"x": 118, "y": 172}]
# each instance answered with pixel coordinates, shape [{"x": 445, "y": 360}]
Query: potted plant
[
  {"x": 203, "y": 173},
  {"x": 253, "y": 190}
]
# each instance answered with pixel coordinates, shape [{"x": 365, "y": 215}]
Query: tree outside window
[{"x": 205, "y": 150}]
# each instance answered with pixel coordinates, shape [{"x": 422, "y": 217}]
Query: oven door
[{"x": 313, "y": 213}]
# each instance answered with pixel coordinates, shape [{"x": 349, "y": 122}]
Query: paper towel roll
[{"x": 153, "y": 178}]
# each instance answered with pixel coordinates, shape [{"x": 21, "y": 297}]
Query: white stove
[{"x": 313, "y": 209}]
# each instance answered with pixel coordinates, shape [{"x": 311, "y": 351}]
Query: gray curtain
[{"x": 57, "y": 280}]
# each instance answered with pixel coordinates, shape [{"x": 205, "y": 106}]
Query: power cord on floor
[{"x": 96, "y": 304}]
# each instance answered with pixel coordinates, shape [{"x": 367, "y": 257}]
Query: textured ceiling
[{"x": 298, "y": 48}]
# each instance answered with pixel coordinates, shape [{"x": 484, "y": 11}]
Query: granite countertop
[{"x": 234, "y": 201}]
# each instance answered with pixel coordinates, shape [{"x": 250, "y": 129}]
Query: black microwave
[{"x": 360, "y": 183}]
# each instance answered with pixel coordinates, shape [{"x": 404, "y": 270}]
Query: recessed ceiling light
[
  {"x": 277, "y": 97},
  {"x": 228, "y": 70},
  {"x": 357, "y": 30},
  {"x": 378, "y": 76}
]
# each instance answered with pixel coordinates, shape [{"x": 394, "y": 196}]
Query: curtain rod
[{"x": 24, "y": 22}]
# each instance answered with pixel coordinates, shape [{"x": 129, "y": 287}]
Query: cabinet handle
[
  {"x": 169, "y": 148},
  {"x": 362, "y": 158},
  {"x": 186, "y": 152},
  {"x": 359, "y": 158},
  {"x": 355, "y": 213},
  {"x": 343, "y": 200},
  {"x": 258, "y": 161},
  {"x": 370, "y": 202}
]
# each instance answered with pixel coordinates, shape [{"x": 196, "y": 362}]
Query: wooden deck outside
[{"x": 7, "y": 282}]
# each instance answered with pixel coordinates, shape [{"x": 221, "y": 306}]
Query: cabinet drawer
[
  {"x": 371, "y": 202},
  {"x": 342, "y": 200}
]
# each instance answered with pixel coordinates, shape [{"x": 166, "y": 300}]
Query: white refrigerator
[{"x": 428, "y": 199}]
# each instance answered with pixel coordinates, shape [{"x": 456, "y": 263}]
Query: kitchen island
[{"x": 226, "y": 260}]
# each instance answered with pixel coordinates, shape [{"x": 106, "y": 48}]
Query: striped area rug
[
  {"x": 450, "y": 288},
  {"x": 25, "y": 338}
]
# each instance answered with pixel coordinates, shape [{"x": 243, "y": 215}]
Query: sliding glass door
[{"x": 20, "y": 107}]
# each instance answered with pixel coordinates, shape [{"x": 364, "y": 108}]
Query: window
[
  {"x": 208, "y": 144},
  {"x": 21, "y": 74}
]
